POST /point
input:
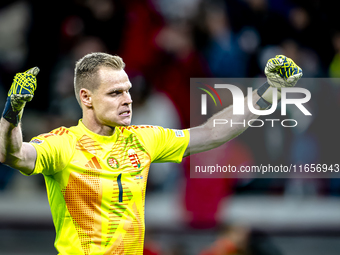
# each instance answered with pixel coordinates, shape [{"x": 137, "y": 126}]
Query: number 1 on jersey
[{"x": 120, "y": 187}]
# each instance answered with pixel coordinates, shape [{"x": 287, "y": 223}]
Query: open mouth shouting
[{"x": 125, "y": 113}]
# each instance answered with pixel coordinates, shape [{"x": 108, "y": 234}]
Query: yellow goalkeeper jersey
[{"x": 96, "y": 184}]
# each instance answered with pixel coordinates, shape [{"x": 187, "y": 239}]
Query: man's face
[{"x": 111, "y": 101}]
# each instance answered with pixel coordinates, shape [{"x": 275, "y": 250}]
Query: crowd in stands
[{"x": 164, "y": 43}]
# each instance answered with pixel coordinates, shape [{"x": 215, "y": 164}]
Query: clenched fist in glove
[
  {"x": 21, "y": 92},
  {"x": 281, "y": 72}
]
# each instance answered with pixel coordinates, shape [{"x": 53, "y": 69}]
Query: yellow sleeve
[
  {"x": 53, "y": 153},
  {"x": 165, "y": 145}
]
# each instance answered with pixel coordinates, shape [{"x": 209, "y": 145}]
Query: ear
[{"x": 85, "y": 96}]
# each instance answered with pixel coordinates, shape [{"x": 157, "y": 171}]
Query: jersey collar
[{"x": 100, "y": 138}]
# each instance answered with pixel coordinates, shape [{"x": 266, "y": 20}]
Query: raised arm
[
  {"x": 13, "y": 151},
  {"x": 280, "y": 71}
]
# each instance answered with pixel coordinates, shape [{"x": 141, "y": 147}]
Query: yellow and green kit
[{"x": 96, "y": 184}]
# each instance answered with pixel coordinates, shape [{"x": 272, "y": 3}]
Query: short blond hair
[{"x": 87, "y": 67}]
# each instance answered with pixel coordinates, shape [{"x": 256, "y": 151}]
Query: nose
[{"x": 127, "y": 98}]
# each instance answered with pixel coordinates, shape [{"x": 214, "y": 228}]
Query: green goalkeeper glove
[
  {"x": 21, "y": 92},
  {"x": 281, "y": 72}
]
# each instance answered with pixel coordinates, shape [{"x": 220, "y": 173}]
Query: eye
[{"x": 115, "y": 93}]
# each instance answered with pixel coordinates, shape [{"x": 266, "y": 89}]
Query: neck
[{"x": 96, "y": 127}]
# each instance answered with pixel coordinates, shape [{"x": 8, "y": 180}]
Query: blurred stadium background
[{"x": 164, "y": 43}]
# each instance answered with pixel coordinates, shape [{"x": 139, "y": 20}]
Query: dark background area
[{"x": 165, "y": 43}]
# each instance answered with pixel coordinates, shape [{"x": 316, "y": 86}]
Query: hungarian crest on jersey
[
  {"x": 113, "y": 162},
  {"x": 134, "y": 158}
]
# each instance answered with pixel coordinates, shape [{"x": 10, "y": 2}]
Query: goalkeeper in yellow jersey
[{"x": 96, "y": 172}]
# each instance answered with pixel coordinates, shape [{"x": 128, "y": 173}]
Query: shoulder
[
  {"x": 147, "y": 132},
  {"x": 58, "y": 131},
  {"x": 144, "y": 133},
  {"x": 60, "y": 134}
]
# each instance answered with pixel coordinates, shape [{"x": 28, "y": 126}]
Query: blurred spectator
[
  {"x": 178, "y": 9},
  {"x": 166, "y": 43},
  {"x": 104, "y": 19},
  {"x": 64, "y": 108},
  {"x": 138, "y": 47},
  {"x": 305, "y": 24},
  {"x": 270, "y": 23},
  {"x": 180, "y": 62},
  {"x": 223, "y": 53},
  {"x": 13, "y": 46}
]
